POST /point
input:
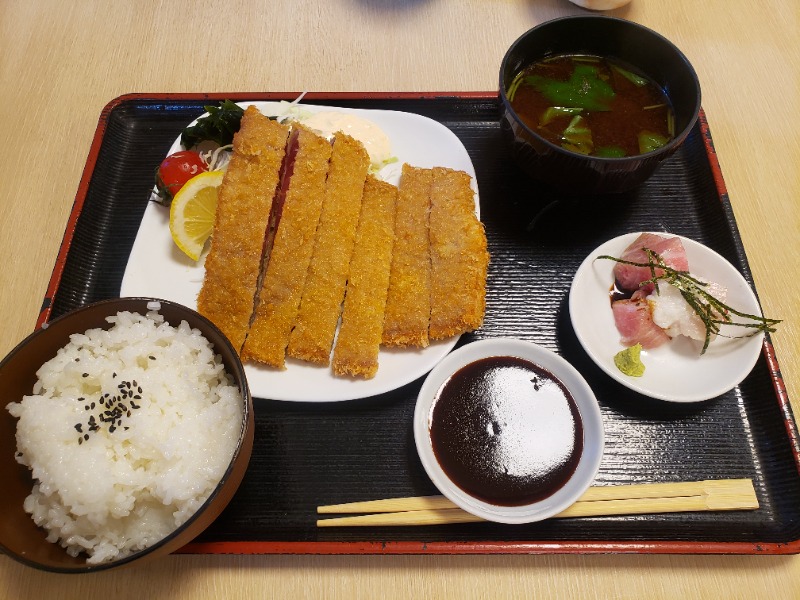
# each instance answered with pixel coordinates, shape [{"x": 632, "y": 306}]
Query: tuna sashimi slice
[
  {"x": 670, "y": 249},
  {"x": 636, "y": 325}
]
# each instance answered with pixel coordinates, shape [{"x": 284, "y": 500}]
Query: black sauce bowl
[{"x": 626, "y": 42}]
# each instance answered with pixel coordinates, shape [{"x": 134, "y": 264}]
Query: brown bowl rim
[{"x": 230, "y": 480}]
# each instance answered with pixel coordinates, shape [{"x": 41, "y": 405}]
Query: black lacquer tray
[{"x": 307, "y": 455}]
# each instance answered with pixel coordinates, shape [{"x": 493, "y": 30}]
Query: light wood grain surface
[{"x": 61, "y": 62}]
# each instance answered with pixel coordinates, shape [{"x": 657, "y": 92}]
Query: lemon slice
[{"x": 191, "y": 214}]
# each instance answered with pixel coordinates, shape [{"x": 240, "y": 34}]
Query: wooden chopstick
[{"x": 725, "y": 494}]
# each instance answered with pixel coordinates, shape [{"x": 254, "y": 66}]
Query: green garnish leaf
[
  {"x": 712, "y": 312},
  {"x": 557, "y": 111},
  {"x": 219, "y": 126},
  {"x": 629, "y": 361},
  {"x": 577, "y": 137},
  {"x": 610, "y": 152},
  {"x": 632, "y": 77},
  {"x": 584, "y": 89},
  {"x": 649, "y": 141}
]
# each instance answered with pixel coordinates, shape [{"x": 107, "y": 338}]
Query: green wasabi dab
[{"x": 629, "y": 361}]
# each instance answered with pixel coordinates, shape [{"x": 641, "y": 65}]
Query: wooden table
[{"x": 61, "y": 62}]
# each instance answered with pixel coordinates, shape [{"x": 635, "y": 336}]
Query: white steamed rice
[{"x": 112, "y": 487}]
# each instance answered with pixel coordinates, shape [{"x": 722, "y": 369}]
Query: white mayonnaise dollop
[{"x": 376, "y": 142}]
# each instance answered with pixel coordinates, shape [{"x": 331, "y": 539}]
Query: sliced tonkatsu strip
[
  {"x": 285, "y": 272},
  {"x": 408, "y": 301},
  {"x": 359, "y": 339},
  {"x": 243, "y": 210},
  {"x": 321, "y": 304},
  {"x": 459, "y": 258}
]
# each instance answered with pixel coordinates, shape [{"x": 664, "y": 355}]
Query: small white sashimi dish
[
  {"x": 157, "y": 268},
  {"x": 675, "y": 371}
]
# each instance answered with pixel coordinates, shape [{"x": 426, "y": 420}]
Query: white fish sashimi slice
[{"x": 675, "y": 316}]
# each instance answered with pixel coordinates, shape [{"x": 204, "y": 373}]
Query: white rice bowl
[{"x": 114, "y": 475}]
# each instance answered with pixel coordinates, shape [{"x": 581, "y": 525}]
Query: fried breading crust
[
  {"x": 408, "y": 301},
  {"x": 243, "y": 210},
  {"x": 321, "y": 303},
  {"x": 359, "y": 339},
  {"x": 459, "y": 258},
  {"x": 285, "y": 273}
]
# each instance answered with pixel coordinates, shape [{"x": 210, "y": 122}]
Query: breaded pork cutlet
[
  {"x": 408, "y": 301},
  {"x": 459, "y": 258},
  {"x": 243, "y": 210},
  {"x": 359, "y": 339},
  {"x": 321, "y": 304},
  {"x": 285, "y": 272}
]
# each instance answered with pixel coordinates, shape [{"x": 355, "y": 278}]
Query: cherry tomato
[{"x": 176, "y": 170}]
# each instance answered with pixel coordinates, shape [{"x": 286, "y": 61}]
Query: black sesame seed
[
  {"x": 126, "y": 428},
  {"x": 113, "y": 375},
  {"x": 86, "y": 407},
  {"x": 80, "y": 440},
  {"x": 112, "y": 429},
  {"x": 85, "y": 375},
  {"x": 151, "y": 357},
  {"x": 81, "y": 399},
  {"x": 78, "y": 427},
  {"x": 86, "y": 436},
  {"x": 92, "y": 405}
]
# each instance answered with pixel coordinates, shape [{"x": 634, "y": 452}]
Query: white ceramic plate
[
  {"x": 592, "y": 421},
  {"x": 156, "y": 268},
  {"x": 675, "y": 371}
]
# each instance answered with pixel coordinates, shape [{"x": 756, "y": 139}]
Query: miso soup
[{"x": 592, "y": 105}]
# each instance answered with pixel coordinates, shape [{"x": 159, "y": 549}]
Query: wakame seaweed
[{"x": 219, "y": 126}]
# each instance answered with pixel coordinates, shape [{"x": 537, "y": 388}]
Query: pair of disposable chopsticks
[{"x": 597, "y": 501}]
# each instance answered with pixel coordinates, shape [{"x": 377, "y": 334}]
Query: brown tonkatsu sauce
[{"x": 506, "y": 431}]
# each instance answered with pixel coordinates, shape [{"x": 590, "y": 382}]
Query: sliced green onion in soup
[
  {"x": 554, "y": 112},
  {"x": 512, "y": 89},
  {"x": 610, "y": 152},
  {"x": 577, "y": 137},
  {"x": 635, "y": 79},
  {"x": 649, "y": 141}
]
